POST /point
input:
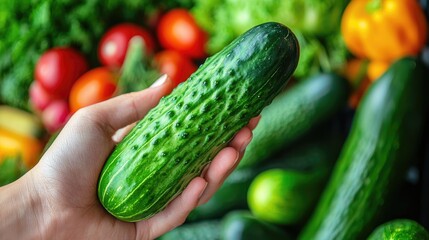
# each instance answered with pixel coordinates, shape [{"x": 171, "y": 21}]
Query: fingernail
[
  {"x": 258, "y": 119},
  {"x": 202, "y": 192},
  {"x": 159, "y": 81},
  {"x": 236, "y": 158},
  {"x": 120, "y": 133},
  {"x": 203, "y": 173},
  {"x": 254, "y": 122},
  {"x": 244, "y": 146}
]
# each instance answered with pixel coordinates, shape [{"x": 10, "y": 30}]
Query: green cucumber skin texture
[
  {"x": 203, "y": 230},
  {"x": 374, "y": 158},
  {"x": 171, "y": 145},
  {"x": 400, "y": 229},
  {"x": 293, "y": 113}
]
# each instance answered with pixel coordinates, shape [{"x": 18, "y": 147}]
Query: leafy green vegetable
[
  {"x": 28, "y": 28},
  {"x": 327, "y": 54},
  {"x": 137, "y": 72},
  {"x": 316, "y": 23}
]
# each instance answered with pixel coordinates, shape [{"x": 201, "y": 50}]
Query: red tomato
[
  {"x": 114, "y": 44},
  {"x": 55, "y": 115},
  {"x": 39, "y": 98},
  {"x": 58, "y": 68},
  {"x": 96, "y": 85},
  {"x": 177, "y": 66},
  {"x": 178, "y": 30}
]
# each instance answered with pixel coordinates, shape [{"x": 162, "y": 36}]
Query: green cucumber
[
  {"x": 171, "y": 145},
  {"x": 318, "y": 149},
  {"x": 230, "y": 196},
  {"x": 242, "y": 225},
  {"x": 400, "y": 229},
  {"x": 379, "y": 148},
  {"x": 203, "y": 230},
  {"x": 294, "y": 113},
  {"x": 285, "y": 196}
]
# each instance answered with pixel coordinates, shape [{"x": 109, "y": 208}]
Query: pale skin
[{"x": 57, "y": 198}]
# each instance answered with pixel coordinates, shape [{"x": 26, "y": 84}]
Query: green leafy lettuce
[{"x": 315, "y": 22}]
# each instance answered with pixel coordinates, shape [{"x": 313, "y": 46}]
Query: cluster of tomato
[{"x": 64, "y": 82}]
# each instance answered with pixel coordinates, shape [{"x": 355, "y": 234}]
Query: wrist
[{"x": 23, "y": 214}]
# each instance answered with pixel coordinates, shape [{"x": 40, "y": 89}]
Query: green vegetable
[
  {"x": 294, "y": 113},
  {"x": 11, "y": 169},
  {"x": 203, "y": 230},
  {"x": 400, "y": 229},
  {"x": 28, "y": 28},
  {"x": 242, "y": 225},
  {"x": 327, "y": 54},
  {"x": 317, "y": 150},
  {"x": 230, "y": 196},
  {"x": 378, "y": 150},
  {"x": 316, "y": 23},
  {"x": 176, "y": 139},
  {"x": 312, "y": 17},
  {"x": 136, "y": 72},
  {"x": 283, "y": 196}
]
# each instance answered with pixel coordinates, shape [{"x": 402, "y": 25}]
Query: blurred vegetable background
[
  {"x": 31, "y": 27},
  {"x": 314, "y": 22},
  {"x": 59, "y": 56}
]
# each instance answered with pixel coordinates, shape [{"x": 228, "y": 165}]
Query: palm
[{"x": 71, "y": 179}]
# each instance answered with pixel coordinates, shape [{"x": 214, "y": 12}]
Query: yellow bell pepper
[
  {"x": 376, "y": 69},
  {"x": 384, "y": 30},
  {"x": 14, "y": 144}
]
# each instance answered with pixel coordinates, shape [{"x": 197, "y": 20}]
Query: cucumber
[
  {"x": 171, "y": 145},
  {"x": 317, "y": 149},
  {"x": 203, "y": 230},
  {"x": 242, "y": 225},
  {"x": 230, "y": 196},
  {"x": 285, "y": 196},
  {"x": 379, "y": 148},
  {"x": 400, "y": 229},
  {"x": 294, "y": 113}
]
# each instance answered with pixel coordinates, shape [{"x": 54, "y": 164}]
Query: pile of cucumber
[
  {"x": 327, "y": 175},
  {"x": 295, "y": 169},
  {"x": 313, "y": 170}
]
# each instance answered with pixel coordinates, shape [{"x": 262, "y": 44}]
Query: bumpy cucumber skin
[
  {"x": 380, "y": 146},
  {"x": 294, "y": 113},
  {"x": 400, "y": 229},
  {"x": 176, "y": 139}
]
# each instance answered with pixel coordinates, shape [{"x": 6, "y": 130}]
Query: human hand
[{"x": 63, "y": 185}]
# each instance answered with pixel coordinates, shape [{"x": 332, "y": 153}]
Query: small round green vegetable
[
  {"x": 283, "y": 196},
  {"x": 399, "y": 229}
]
